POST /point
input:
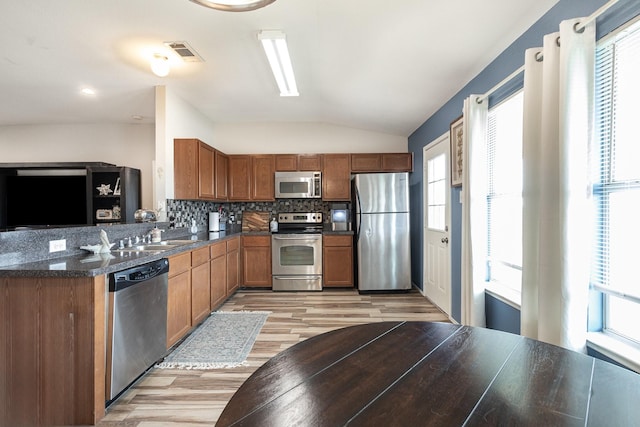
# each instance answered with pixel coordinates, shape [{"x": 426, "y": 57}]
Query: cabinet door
[
  {"x": 221, "y": 172},
  {"x": 256, "y": 261},
  {"x": 366, "y": 162},
  {"x": 218, "y": 269},
  {"x": 218, "y": 280},
  {"x": 337, "y": 261},
  {"x": 233, "y": 265},
  {"x": 397, "y": 162},
  {"x": 206, "y": 172},
  {"x": 200, "y": 292},
  {"x": 263, "y": 184},
  {"x": 336, "y": 177},
  {"x": 286, "y": 162},
  {"x": 185, "y": 168},
  {"x": 239, "y": 177},
  {"x": 178, "y": 307},
  {"x": 309, "y": 162}
]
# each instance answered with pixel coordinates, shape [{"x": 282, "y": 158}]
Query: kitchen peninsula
[{"x": 53, "y": 322}]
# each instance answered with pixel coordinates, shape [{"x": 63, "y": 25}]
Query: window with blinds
[
  {"x": 504, "y": 193},
  {"x": 616, "y": 183}
]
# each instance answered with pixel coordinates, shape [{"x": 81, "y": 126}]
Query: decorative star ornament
[{"x": 104, "y": 189}]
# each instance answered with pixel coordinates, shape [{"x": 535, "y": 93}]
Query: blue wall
[{"x": 507, "y": 62}]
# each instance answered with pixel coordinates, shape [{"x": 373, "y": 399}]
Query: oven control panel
[{"x": 300, "y": 218}]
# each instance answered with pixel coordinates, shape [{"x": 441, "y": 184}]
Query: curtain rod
[
  {"x": 596, "y": 14},
  {"x": 488, "y": 93},
  {"x": 580, "y": 27}
]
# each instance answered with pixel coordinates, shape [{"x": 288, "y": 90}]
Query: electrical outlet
[{"x": 57, "y": 245}]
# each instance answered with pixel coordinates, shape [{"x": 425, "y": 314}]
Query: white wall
[
  {"x": 267, "y": 138},
  {"x": 121, "y": 144},
  {"x": 149, "y": 147}
]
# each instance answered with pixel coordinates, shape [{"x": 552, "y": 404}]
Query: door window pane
[{"x": 437, "y": 180}]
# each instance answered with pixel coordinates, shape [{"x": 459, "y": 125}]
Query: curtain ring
[
  {"x": 479, "y": 100},
  {"x": 577, "y": 29},
  {"x": 539, "y": 56},
  {"x": 558, "y": 40}
]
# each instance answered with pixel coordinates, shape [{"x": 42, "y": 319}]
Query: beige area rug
[{"x": 223, "y": 340}]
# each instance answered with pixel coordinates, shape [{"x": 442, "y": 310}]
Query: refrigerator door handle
[{"x": 359, "y": 210}]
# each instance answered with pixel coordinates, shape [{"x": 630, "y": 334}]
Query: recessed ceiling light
[
  {"x": 234, "y": 5},
  {"x": 87, "y": 91}
]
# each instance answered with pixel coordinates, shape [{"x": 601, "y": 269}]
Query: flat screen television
[{"x": 46, "y": 198}]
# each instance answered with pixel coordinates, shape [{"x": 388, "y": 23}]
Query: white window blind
[
  {"x": 504, "y": 193},
  {"x": 616, "y": 182}
]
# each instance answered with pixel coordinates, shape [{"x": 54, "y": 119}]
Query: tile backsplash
[{"x": 180, "y": 213}]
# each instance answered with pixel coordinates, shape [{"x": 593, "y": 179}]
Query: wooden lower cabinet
[
  {"x": 179, "y": 297},
  {"x": 256, "y": 261},
  {"x": 52, "y": 350},
  {"x": 200, "y": 285},
  {"x": 233, "y": 265},
  {"x": 337, "y": 261},
  {"x": 218, "y": 270}
]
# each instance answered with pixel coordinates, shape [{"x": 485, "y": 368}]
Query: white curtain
[
  {"x": 558, "y": 122},
  {"x": 474, "y": 211}
]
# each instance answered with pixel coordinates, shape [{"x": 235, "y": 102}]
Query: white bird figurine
[{"x": 103, "y": 248}]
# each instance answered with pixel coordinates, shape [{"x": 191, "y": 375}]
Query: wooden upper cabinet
[
  {"x": 336, "y": 177},
  {"x": 366, "y": 162},
  {"x": 263, "y": 180},
  {"x": 397, "y": 162},
  {"x": 381, "y": 162},
  {"x": 206, "y": 172},
  {"x": 221, "y": 172},
  {"x": 185, "y": 167},
  {"x": 239, "y": 177},
  {"x": 251, "y": 177},
  {"x": 298, "y": 162},
  {"x": 309, "y": 162},
  {"x": 194, "y": 169},
  {"x": 286, "y": 162}
]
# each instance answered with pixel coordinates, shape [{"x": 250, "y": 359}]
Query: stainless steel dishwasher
[{"x": 136, "y": 323}]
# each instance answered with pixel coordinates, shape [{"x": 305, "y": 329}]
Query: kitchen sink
[
  {"x": 147, "y": 248},
  {"x": 155, "y": 247}
]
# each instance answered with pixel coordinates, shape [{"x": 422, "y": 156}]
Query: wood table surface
[{"x": 433, "y": 374}]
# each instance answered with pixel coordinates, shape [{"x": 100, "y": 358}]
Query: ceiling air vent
[{"x": 184, "y": 51}]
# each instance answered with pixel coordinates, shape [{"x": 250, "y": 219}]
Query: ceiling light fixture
[
  {"x": 160, "y": 65},
  {"x": 234, "y": 5},
  {"x": 275, "y": 47}
]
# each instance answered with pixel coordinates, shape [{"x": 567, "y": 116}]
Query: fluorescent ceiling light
[
  {"x": 275, "y": 46},
  {"x": 234, "y": 5}
]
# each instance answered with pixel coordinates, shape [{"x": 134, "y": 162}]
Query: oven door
[{"x": 296, "y": 254}]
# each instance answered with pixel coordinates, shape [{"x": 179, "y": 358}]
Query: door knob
[{"x": 445, "y": 240}]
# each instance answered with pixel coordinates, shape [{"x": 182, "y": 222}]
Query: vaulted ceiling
[{"x": 378, "y": 65}]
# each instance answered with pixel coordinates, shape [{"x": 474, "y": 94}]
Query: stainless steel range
[{"x": 296, "y": 263}]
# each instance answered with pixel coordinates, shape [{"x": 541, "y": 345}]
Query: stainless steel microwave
[{"x": 298, "y": 185}]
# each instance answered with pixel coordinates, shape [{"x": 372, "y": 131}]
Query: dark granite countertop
[{"x": 89, "y": 265}]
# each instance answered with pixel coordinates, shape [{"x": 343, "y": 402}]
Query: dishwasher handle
[{"x": 125, "y": 278}]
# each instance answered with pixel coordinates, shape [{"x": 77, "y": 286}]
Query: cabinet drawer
[
  {"x": 218, "y": 249},
  {"x": 253, "y": 241},
  {"x": 337, "y": 240},
  {"x": 179, "y": 263},
  {"x": 233, "y": 244},
  {"x": 199, "y": 256}
]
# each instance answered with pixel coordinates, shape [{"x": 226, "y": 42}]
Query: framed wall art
[{"x": 455, "y": 136}]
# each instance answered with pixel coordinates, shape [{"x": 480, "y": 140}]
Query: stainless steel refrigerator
[{"x": 381, "y": 204}]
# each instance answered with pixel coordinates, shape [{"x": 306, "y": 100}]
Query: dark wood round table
[{"x": 433, "y": 374}]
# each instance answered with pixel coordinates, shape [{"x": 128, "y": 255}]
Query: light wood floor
[{"x": 172, "y": 397}]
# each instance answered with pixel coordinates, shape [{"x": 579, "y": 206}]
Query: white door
[{"x": 437, "y": 195}]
